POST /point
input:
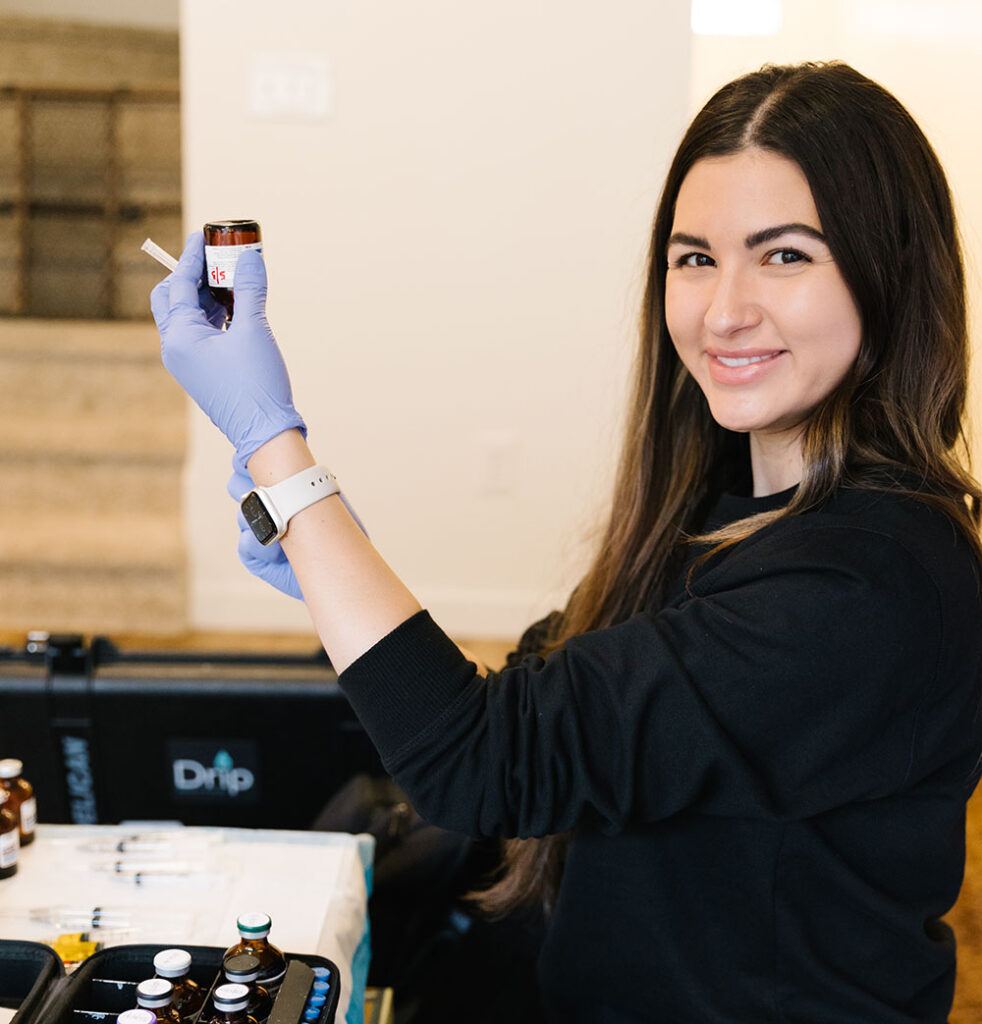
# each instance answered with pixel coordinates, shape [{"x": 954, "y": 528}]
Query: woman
[{"x": 747, "y": 752}]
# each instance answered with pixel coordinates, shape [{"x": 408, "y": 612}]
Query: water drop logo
[{"x": 196, "y": 772}]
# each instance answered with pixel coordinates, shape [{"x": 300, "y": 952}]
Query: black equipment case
[{"x": 233, "y": 740}]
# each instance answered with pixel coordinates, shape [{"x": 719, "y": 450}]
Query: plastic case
[
  {"x": 29, "y": 973},
  {"x": 246, "y": 741},
  {"x": 33, "y": 981}
]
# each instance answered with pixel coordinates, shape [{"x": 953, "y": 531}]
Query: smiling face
[{"x": 757, "y": 309}]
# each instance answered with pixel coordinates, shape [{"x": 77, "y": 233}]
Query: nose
[{"x": 732, "y": 306}]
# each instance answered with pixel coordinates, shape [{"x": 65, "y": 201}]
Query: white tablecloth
[{"x": 312, "y": 884}]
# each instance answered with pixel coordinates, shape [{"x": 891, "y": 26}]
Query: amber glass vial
[
  {"x": 157, "y": 995},
  {"x": 253, "y": 931},
  {"x": 9, "y": 839},
  {"x": 225, "y": 241},
  {"x": 174, "y": 965},
  {"x": 20, "y": 800},
  {"x": 243, "y": 969},
  {"x": 229, "y": 1005}
]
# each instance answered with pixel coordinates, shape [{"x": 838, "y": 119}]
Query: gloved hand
[
  {"x": 237, "y": 377},
  {"x": 267, "y": 561}
]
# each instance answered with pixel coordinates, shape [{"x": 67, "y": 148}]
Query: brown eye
[
  {"x": 695, "y": 259},
  {"x": 783, "y": 257}
]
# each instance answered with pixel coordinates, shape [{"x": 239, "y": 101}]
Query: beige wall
[
  {"x": 454, "y": 239},
  {"x": 455, "y": 229},
  {"x": 929, "y": 54}
]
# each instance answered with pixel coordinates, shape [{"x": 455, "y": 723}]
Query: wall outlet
[{"x": 290, "y": 87}]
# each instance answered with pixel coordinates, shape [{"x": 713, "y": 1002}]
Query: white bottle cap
[
  {"x": 231, "y": 997},
  {"x": 10, "y": 768},
  {"x": 172, "y": 963},
  {"x": 254, "y": 925},
  {"x": 137, "y": 1017},
  {"x": 154, "y": 993}
]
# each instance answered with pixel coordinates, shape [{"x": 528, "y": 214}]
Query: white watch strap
[{"x": 292, "y": 495}]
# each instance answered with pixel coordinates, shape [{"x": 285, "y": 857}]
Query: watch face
[{"x": 259, "y": 520}]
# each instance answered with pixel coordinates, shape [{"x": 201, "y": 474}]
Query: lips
[
  {"x": 743, "y": 367},
  {"x": 745, "y": 361}
]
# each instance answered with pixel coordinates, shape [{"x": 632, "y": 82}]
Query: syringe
[{"x": 162, "y": 256}]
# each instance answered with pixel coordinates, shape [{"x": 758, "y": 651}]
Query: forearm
[
  {"x": 353, "y": 597},
  {"x": 238, "y": 379}
]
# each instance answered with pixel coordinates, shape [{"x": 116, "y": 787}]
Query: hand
[
  {"x": 237, "y": 377},
  {"x": 267, "y": 561}
]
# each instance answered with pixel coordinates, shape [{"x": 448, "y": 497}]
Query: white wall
[
  {"x": 455, "y": 217},
  {"x": 455, "y": 201},
  {"x": 929, "y": 54}
]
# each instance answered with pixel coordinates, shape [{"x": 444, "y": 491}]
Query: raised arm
[
  {"x": 353, "y": 597},
  {"x": 238, "y": 378}
]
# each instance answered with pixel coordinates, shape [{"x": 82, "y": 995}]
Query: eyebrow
[
  {"x": 769, "y": 234},
  {"x": 757, "y": 238}
]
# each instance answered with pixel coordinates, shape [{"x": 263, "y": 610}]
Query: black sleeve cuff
[{"x": 405, "y": 682}]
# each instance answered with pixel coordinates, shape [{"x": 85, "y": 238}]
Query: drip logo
[{"x": 214, "y": 771}]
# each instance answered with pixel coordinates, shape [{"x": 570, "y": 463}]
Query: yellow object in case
[{"x": 74, "y": 947}]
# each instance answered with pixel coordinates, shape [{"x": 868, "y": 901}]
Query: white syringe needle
[{"x": 162, "y": 256}]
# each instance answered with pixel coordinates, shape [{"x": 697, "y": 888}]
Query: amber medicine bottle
[
  {"x": 253, "y": 938},
  {"x": 225, "y": 241},
  {"x": 20, "y": 797},
  {"x": 243, "y": 969},
  {"x": 157, "y": 996},
  {"x": 9, "y": 838},
  {"x": 229, "y": 1003},
  {"x": 174, "y": 965}
]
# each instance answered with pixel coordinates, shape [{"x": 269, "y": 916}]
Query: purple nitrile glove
[
  {"x": 237, "y": 376},
  {"x": 267, "y": 561}
]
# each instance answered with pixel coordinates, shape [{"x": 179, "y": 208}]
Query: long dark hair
[{"x": 886, "y": 212}]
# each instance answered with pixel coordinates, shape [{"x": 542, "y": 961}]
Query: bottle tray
[{"x": 32, "y": 981}]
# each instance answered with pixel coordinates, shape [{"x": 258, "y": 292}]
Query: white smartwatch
[{"x": 268, "y": 510}]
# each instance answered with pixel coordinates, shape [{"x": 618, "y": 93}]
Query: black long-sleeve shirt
[{"x": 766, "y": 777}]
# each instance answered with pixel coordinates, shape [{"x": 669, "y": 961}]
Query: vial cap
[
  {"x": 242, "y": 967},
  {"x": 154, "y": 993},
  {"x": 232, "y": 225},
  {"x": 254, "y": 925},
  {"x": 10, "y": 768},
  {"x": 172, "y": 963},
  {"x": 231, "y": 997},
  {"x": 136, "y": 1017}
]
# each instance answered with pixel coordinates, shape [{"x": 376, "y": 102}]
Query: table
[{"x": 178, "y": 884}]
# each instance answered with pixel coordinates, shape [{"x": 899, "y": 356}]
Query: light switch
[{"x": 290, "y": 87}]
